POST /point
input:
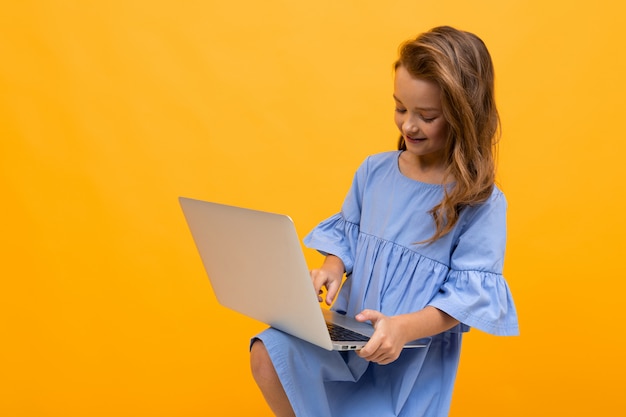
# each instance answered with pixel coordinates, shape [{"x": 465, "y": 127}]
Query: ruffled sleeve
[
  {"x": 338, "y": 234},
  {"x": 475, "y": 292},
  {"x": 335, "y": 236}
]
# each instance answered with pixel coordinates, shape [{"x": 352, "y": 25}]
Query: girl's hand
[
  {"x": 387, "y": 341},
  {"x": 329, "y": 276},
  {"x": 329, "y": 279}
]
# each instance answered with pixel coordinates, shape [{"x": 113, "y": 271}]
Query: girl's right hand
[{"x": 329, "y": 276}]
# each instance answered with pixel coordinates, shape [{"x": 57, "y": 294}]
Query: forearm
[
  {"x": 393, "y": 332},
  {"x": 334, "y": 263},
  {"x": 424, "y": 323}
]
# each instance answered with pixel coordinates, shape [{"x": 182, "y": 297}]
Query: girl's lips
[{"x": 414, "y": 139}]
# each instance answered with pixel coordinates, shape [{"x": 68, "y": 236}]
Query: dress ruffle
[{"x": 479, "y": 299}]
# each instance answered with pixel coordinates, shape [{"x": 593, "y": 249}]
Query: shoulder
[
  {"x": 380, "y": 160},
  {"x": 383, "y": 157},
  {"x": 497, "y": 197},
  {"x": 494, "y": 207}
]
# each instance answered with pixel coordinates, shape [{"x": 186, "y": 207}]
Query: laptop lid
[{"x": 256, "y": 267}]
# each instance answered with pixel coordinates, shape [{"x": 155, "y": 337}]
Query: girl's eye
[
  {"x": 428, "y": 119},
  {"x": 400, "y": 110}
]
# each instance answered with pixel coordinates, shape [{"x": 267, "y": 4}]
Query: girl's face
[{"x": 419, "y": 116}]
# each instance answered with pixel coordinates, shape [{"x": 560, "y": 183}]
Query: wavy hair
[{"x": 460, "y": 64}]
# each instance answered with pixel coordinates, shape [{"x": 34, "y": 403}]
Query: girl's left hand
[{"x": 387, "y": 341}]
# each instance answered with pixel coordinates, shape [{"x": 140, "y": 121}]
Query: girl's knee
[
  {"x": 260, "y": 362},
  {"x": 258, "y": 351}
]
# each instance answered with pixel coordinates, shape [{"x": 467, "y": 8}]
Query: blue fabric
[{"x": 375, "y": 234}]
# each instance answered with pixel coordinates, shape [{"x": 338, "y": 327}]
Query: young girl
[{"x": 420, "y": 238}]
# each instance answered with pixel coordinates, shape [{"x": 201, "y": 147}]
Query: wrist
[
  {"x": 407, "y": 326},
  {"x": 335, "y": 264}
]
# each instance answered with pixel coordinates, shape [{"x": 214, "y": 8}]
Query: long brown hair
[{"x": 461, "y": 65}]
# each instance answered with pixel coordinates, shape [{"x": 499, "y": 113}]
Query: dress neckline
[{"x": 414, "y": 181}]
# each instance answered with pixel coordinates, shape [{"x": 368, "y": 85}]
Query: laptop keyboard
[{"x": 341, "y": 333}]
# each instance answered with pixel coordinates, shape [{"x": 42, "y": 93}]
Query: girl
[{"x": 420, "y": 238}]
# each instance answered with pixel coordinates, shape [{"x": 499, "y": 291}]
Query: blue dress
[{"x": 375, "y": 235}]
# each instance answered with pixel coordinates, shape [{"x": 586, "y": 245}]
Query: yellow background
[{"x": 109, "y": 110}]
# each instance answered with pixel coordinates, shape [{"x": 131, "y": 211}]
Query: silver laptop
[{"x": 256, "y": 267}]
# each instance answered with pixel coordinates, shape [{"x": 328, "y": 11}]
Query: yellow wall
[{"x": 109, "y": 110}]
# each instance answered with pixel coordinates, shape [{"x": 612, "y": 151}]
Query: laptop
[{"x": 256, "y": 267}]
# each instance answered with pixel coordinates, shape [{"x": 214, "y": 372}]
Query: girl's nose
[{"x": 410, "y": 127}]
